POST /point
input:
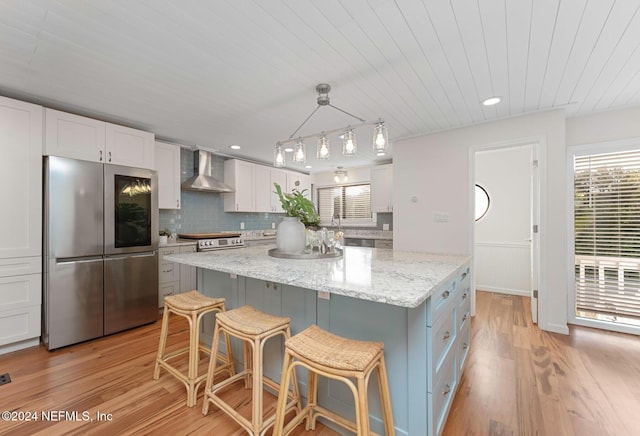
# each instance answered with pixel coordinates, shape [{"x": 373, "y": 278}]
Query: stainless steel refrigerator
[{"x": 100, "y": 258}]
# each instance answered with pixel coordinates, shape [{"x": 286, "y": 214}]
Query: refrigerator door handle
[
  {"x": 130, "y": 255},
  {"x": 83, "y": 259}
]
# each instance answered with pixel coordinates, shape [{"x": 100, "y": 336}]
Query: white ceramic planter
[
  {"x": 291, "y": 237},
  {"x": 164, "y": 240}
]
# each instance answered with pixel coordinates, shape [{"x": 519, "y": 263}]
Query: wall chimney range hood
[{"x": 202, "y": 180}]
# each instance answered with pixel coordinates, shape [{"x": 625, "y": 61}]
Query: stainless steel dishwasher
[{"x": 358, "y": 242}]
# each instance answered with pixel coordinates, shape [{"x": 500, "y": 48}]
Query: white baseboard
[{"x": 519, "y": 292}]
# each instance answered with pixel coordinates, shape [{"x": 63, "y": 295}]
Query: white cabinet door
[
  {"x": 298, "y": 181},
  {"x": 382, "y": 188},
  {"x": 167, "y": 164},
  {"x": 20, "y": 178},
  {"x": 262, "y": 188},
  {"x": 129, "y": 147},
  {"x": 279, "y": 177},
  {"x": 73, "y": 136},
  {"x": 240, "y": 175}
]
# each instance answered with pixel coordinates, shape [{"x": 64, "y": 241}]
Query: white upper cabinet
[
  {"x": 20, "y": 178},
  {"x": 240, "y": 175},
  {"x": 73, "y": 136},
  {"x": 298, "y": 181},
  {"x": 77, "y": 137},
  {"x": 129, "y": 147},
  {"x": 167, "y": 164},
  {"x": 266, "y": 198},
  {"x": 279, "y": 177},
  {"x": 382, "y": 188}
]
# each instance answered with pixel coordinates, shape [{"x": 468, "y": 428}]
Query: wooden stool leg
[
  {"x": 212, "y": 369},
  {"x": 312, "y": 399},
  {"x": 281, "y": 406},
  {"x": 194, "y": 355},
  {"x": 256, "y": 371},
  {"x": 163, "y": 342},
  {"x": 385, "y": 398},
  {"x": 363, "y": 408},
  {"x": 247, "y": 364}
]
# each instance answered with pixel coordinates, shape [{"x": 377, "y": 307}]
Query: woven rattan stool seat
[
  {"x": 251, "y": 321},
  {"x": 192, "y": 300},
  {"x": 333, "y": 351},
  {"x": 350, "y": 361}
]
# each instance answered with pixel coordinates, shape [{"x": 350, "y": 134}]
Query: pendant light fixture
[
  {"x": 380, "y": 139},
  {"x": 323, "y": 151},
  {"x": 299, "y": 154},
  {"x": 340, "y": 176},
  {"x": 349, "y": 144},
  {"x": 278, "y": 156}
]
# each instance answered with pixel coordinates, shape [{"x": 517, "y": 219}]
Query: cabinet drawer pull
[
  {"x": 178, "y": 203},
  {"x": 446, "y": 335},
  {"x": 446, "y": 294},
  {"x": 464, "y": 296},
  {"x": 100, "y": 155},
  {"x": 464, "y": 274},
  {"x": 167, "y": 270},
  {"x": 465, "y": 346},
  {"x": 465, "y": 317},
  {"x": 267, "y": 284},
  {"x": 446, "y": 389}
]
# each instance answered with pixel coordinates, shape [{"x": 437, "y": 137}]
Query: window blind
[
  {"x": 349, "y": 203},
  {"x": 607, "y": 236}
]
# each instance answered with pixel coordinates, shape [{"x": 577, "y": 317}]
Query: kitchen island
[{"x": 416, "y": 303}]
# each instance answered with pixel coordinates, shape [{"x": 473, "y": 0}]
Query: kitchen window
[{"x": 347, "y": 205}]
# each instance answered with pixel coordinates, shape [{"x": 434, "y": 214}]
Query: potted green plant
[
  {"x": 165, "y": 234},
  {"x": 300, "y": 213}
]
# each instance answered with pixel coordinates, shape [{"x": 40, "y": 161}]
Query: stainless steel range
[{"x": 215, "y": 241}]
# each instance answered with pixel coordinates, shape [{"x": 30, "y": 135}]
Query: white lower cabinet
[
  {"x": 175, "y": 278},
  {"x": 448, "y": 342},
  {"x": 21, "y": 302}
]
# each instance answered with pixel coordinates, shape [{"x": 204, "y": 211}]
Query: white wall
[
  {"x": 437, "y": 169},
  {"x": 502, "y": 251},
  {"x": 604, "y": 126}
]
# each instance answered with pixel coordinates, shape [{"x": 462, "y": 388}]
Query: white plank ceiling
[{"x": 216, "y": 73}]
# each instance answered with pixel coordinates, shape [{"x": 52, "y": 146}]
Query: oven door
[{"x": 130, "y": 210}]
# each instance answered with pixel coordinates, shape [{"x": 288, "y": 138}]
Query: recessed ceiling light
[
  {"x": 491, "y": 101},
  {"x": 380, "y": 153},
  {"x": 234, "y": 147},
  {"x": 288, "y": 149},
  {"x": 308, "y": 167}
]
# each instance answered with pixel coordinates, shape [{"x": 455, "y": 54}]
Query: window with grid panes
[
  {"x": 607, "y": 237},
  {"x": 351, "y": 204}
]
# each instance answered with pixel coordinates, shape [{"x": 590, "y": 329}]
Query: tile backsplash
[{"x": 204, "y": 211}]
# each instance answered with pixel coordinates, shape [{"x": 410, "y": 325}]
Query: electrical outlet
[
  {"x": 385, "y": 227},
  {"x": 324, "y": 295},
  {"x": 4, "y": 379},
  {"x": 241, "y": 226},
  {"x": 273, "y": 225},
  {"x": 442, "y": 217}
]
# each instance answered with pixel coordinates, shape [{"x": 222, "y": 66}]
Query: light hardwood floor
[
  {"x": 520, "y": 380},
  {"x": 114, "y": 375}
]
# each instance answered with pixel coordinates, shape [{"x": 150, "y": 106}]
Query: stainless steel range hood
[{"x": 202, "y": 179}]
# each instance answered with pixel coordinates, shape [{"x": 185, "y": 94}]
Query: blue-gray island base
[{"x": 418, "y": 304}]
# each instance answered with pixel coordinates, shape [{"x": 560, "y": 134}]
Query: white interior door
[{"x": 535, "y": 232}]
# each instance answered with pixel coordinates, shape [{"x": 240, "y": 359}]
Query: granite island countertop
[{"x": 387, "y": 276}]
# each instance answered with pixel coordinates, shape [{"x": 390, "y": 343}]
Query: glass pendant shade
[
  {"x": 349, "y": 145},
  {"x": 380, "y": 139},
  {"x": 298, "y": 153},
  {"x": 323, "y": 151},
  {"x": 278, "y": 157}
]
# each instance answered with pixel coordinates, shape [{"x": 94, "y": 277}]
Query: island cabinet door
[
  {"x": 220, "y": 285},
  {"x": 282, "y": 300},
  {"x": 370, "y": 321}
]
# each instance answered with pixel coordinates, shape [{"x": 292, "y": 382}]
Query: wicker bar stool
[
  {"x": 328, "y": 355},
  {"x": 192, "y": 306},
  {"x": 254, "y": 328}
]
